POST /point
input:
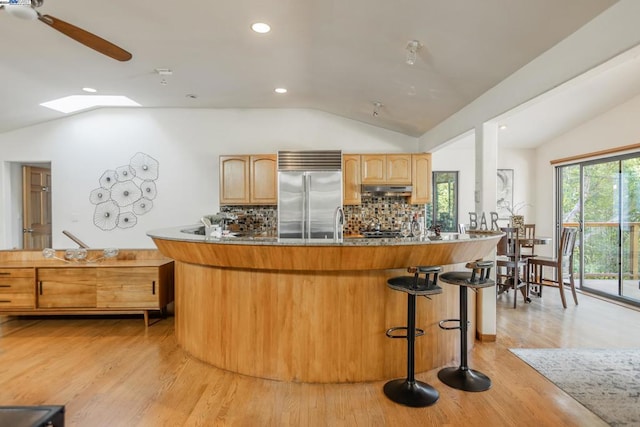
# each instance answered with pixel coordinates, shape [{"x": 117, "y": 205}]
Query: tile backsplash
[
  {"x": 256, "y": 219},
  {"x": 389, "y": 211}
]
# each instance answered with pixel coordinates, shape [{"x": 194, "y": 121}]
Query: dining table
[
  {"x": 534, "y": 240},
  {"x": 526, "y": 241}
]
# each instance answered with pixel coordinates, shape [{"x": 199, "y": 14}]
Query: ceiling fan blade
[{"x": 86, "y": 38}]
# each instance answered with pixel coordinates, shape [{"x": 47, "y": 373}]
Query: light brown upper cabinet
[
  {"x": 234, "y": 180},
  {"x": 248, "y": 180},
  {"x": 421, "y": 178},
  {"x": 264, "y": 180},
  {"x": 386, "y": 169},
  {"x": 351, "y": 179},
  {"x": 373, "y": 168}
]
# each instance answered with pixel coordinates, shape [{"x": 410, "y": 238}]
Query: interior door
[{"x": 36, "y": 207}]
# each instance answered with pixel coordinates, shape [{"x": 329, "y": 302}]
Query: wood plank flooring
[{"x": 114, "y": 372}]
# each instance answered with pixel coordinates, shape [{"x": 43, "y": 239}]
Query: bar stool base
[
  {"x": 464, "y": 379},
  {"x": 415, "y": 394}
]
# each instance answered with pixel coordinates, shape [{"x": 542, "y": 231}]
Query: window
[{"x": 445, "y": 200}]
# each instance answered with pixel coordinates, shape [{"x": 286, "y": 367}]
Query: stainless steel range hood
[{"x": 387, "y": 190}]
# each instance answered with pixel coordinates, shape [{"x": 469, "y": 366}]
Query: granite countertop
[{"x": 186, "y": 234}]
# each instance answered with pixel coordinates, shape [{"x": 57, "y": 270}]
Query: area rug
[{"x": 606, "y": 381}]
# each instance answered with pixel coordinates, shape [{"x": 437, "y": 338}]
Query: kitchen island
[{"x": 311, "y": 310}]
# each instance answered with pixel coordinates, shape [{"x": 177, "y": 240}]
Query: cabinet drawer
[
  {"x": 20, "y": 285},
  {"x": 16, "y": 272},
  {"x": 17, "y": 300}
]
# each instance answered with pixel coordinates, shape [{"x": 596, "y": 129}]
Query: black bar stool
[
  {"x": 408, "y": 391},
  {"x": 464, "y": 378}
]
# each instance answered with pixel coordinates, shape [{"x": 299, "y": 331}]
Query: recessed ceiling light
[
  {"x": 89, "y": 89},
  {"x": 260, "y": 27},
  {"x": 280, "y": 90},
  {"x": 70, "y": 104},
  {"x": 502, "y": 127}
]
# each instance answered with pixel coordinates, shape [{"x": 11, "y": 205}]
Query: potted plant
[{"x": 516, "y": 220}]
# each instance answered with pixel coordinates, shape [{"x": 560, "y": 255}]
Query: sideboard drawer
[
  {"x": 19, "y": 285},
  {"x": 17, "y": 300},
  {"x": 11, "y": 273}
]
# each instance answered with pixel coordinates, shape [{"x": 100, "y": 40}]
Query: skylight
[{"x": 70, "y": 104}]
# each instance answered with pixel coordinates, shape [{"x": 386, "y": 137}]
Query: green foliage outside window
[{"x": 611, "y": 202}]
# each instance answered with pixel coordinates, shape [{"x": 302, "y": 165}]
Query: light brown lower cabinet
[
  {"x": 16, "y": 288},
  {"x": 129, "y": 288},
  {"x": 66, "y": 287}
]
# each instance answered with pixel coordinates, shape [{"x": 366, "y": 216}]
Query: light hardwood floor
[{"x": 114, "y": 372}]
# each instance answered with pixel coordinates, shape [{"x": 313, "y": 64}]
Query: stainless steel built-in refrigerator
[{"x": 309, "y": 193}]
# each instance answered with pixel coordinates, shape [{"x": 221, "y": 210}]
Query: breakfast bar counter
[{"x": 311, "y": 310}]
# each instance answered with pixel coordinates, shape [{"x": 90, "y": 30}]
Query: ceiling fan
[{"x": 28, "y": 11}]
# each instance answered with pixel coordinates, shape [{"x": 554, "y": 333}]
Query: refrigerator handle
[
  {"x": 304, "y": 206},
  {"x": 306, "y": 210}
]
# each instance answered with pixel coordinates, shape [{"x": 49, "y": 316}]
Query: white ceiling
[
  {"x": 335, "y": 56},
  {"x": 569, "y": 105}
]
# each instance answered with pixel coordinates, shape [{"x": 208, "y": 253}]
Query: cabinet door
[
  {"x": 128, "y": 287},
  {"x": 373, "y": 168},
  {"x": 234, "y": 180},
  {"x": 17, "y": 288},
  {"x": 66, "y": 287},
  {"x": 263, "y": 189},
  {"x": 421, "y": 178},
  {"x": 398, "y": 168},
  {"x": 351, "y": 179}
]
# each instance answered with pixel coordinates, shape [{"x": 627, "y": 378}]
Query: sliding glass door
[
  {"x": 602, "y": 198},
  {"x": 630, "y": 227}
]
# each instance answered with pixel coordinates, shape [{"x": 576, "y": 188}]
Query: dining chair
[
  {"x": 510, "y": 265},
  {"x": 528, "y": 247},
  {"x": 561, "y": 265}
]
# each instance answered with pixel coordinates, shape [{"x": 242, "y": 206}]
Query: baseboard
[{"x": 486, "y": 337}]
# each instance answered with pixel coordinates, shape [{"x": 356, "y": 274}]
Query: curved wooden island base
[{"x": 311, "y": 313}]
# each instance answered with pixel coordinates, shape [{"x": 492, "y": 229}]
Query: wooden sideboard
[{"x": 137, "y": 281}]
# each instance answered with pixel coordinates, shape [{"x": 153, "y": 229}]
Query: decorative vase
[{"x": 517, "y": 221}]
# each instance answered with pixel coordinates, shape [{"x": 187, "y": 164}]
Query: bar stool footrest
[
  {"x": 416, "y": 394},
  {"x": 390, "y": 331},
  {"x": 464, "y": 379},
  {"x": 443, "y": 324}
]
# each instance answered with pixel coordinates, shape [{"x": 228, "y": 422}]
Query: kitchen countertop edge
[{"x": 176, "y": 233}]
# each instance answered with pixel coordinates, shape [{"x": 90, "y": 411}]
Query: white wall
[
  {"x": 524, "y": 179},
  {"x": 615, "y": 128},
  {"x": 186, "y": 143},
  {"x": 460, "y": 157}
]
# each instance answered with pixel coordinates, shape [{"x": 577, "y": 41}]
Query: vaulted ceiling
[{"x": 336, "y": 56}]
